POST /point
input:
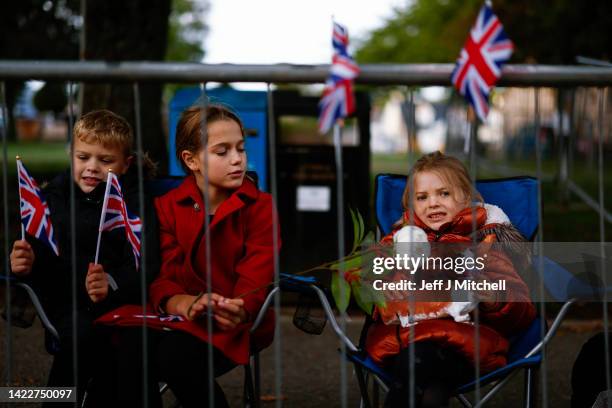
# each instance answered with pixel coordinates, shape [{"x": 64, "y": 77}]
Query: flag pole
[
  {"x": 337, "y": 138},
  {"x": 18, "y": 160},
  {"x": 103, "y": 213}
]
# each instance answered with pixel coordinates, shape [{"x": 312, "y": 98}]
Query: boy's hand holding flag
[
  {"x": 97, "y": 282},
  {"x": 114, "y": 215}
]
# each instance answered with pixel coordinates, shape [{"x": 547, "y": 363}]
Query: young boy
[{"x": 102, "y": 141}]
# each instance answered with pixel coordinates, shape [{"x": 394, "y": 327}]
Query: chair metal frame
[
  {"x": 251, "y": 379},
  {"x": 530, "y": 361},
  {"x": 498, "y": 378}
]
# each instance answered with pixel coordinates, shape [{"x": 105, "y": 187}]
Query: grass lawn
[
  {"x": 40, "y": 158},
  {"x": 571, "y": 221},
  {"x": 566, "y": 222}
]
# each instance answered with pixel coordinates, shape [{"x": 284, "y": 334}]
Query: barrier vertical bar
[
  {"x": 204, "y": 102},
  {"x": 602, "y": 234},
  {"x": 563, "y": 148},
  {"x": 412, "y": 301},
  {"x": 143, "y": 245},
  {"x": 73, "y": 270},
  {"x": 540, "y": 238},
  {"x": 273, "y": 190},
  {"x": 473, "y": 134},
  {"x": 7, "y": 269},
  {"x": 337, "y": 134}
]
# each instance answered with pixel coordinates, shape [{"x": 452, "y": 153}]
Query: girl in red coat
[
  {"x": 437, "y": 202},
  {"x": 216, "y": 225}
]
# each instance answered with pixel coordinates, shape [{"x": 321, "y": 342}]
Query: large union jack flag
[
  {"x": 116, "y": 215},
  {"x": 35, "y": 214},
  {"x": 479, "y": 64},
  {"x": 337, "y": 100}
]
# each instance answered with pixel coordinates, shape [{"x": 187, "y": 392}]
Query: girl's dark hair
[{"x": 189, "y": 130}]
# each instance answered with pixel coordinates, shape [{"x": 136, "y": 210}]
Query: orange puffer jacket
[{"x": 498, "y": 320}]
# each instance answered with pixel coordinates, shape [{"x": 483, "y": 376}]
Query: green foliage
[
  {"x": 186, "y": 30},
  {"x": 551, "y": 32},
  {"x": 427, "y": 31},
  {"x": 341, "y": 291},
  {"x": 34, "y": 29},
  {"x": 348, "y": 275},
  {"x": 555, "y": 32}
]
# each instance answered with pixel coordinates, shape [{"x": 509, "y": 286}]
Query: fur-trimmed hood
[{"x": 513, "y": 242}]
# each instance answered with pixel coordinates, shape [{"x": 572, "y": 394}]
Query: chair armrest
[
  {"x": 553, "y": 328},
  {"x": 264, "y": 308},
  {"x": 287, "y": 283},
  {"x": 39, "y": 309}
]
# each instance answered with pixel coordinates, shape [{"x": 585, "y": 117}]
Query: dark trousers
[
  {"x": 136, "y": 377},
  {"x": 589, "y": 371},
  {"x": 177, "y": 358},
  {"x": 438, "y": 372},
  {"x": 91, "y": 353},
  {"x": 184, "y": 364}
]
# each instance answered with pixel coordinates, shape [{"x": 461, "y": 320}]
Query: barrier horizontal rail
[{"x": 373, "y": 74}]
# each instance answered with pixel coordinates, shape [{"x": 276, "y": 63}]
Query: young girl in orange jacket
[{"x": 438, "y": 206}]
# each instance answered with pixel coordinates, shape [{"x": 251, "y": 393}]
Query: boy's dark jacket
[{"x": 52, "y": 276}]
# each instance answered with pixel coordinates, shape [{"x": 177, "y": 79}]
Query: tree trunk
[{"x": 136, "y": 30}]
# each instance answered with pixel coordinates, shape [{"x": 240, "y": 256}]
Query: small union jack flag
[
  {"x": 115, "y": 215},
  {"x": 337, "y": 100},
  {"x": 479, "y": 64},
  {"x": 35, "y": 214}
]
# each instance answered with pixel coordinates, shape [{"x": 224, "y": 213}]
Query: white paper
[{"x": 313, "y": 198}]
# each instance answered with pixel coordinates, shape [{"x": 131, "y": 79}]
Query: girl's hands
[
  {"x": 230, "y": 313},
  {"x": 199, "y": 305},
  {"x": 22, "y": 258},
  {"x": 191, "y": 307},
  {"x": 227, "y": 313}
]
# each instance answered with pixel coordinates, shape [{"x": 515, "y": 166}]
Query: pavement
[{"x": 310, "y": 366}]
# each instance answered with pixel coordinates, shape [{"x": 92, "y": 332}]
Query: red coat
[
  {"x": 242, "y": 258},
  {"x": 498, "y": 321}
]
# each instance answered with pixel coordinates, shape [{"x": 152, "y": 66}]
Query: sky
[{"x": 290, "y": 31}]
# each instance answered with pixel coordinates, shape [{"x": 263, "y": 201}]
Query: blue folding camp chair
[{"x": 518, "y": 198}]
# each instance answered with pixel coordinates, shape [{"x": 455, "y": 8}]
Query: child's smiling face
[
  {"x": 91, "y": 162},
  {"x": 435, "y": 201}
]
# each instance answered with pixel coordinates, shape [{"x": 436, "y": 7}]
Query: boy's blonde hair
[
  {"x": 189, "y": 127},
  {"x": 106, "y": 128},
  {"x": 450, "y": 170}
]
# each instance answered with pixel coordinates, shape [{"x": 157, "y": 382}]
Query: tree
[
  {"x": 140, "y": 30},
  {"x": 186, "y": 30},
  {"x": 551, "y": 32},
  {"x": 51, "y": 97},
  {"x": 115, "y": 30},
  {"x": 136, "y": 30},
  {"x": 428, "y": 31},
  {"x": 35, "y": 30},
  {"x": 555, "y": 32}
]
